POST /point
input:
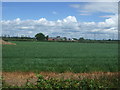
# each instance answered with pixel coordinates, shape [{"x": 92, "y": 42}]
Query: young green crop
[{"x": 60, "y": 57}]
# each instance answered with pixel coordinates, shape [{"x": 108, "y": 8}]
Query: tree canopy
[{"x": 40, "y": 36}]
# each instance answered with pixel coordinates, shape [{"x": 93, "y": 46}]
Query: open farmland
[{"x": 60, "y": 57}]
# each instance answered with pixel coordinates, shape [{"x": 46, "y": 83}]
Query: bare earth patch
[
  {"x": 6, "y": 43},
  {"x": 20, "y": 78}
]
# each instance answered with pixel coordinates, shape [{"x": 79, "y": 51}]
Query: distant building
[
  {"x": 51, "y": 38},
  {"x": 58, "y": 38}
]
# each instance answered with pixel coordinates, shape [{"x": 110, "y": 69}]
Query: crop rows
[{"x": 60, "y": 57}]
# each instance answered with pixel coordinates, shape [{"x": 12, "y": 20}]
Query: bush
[{"x": 61, "y": 83}]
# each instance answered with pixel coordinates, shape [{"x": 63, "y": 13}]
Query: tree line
[{"x": 42, "y": 37}]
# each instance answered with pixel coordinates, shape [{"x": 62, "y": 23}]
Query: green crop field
[{"x": 60, "y": 57}]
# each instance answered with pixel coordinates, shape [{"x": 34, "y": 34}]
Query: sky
[{"x": 91, "y": 20}]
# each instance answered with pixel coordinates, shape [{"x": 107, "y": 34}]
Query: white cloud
[
  {"x": 30, "y": 32},
  {"x": 102, "y": 7},
  {"x": 106, "y": 16},
  {"x": 68, "y": 27},
  {"x": 104, "y": 31},
  {"x": 84, "y": 11},
  {"x": 42, "y": 20},
  {"x": 110, "y": 22},
  {"x": 70, "y": 19},
  {"x": 89, "y": 23},
  {"x": 84, "y": 14},
  {"x": 54, "y": 12},
  {"x": 75, "y": 5},
  {"x": 17, "y": 20},
  {"x": 107, "y": 7},
  {"x": 26, "y": 27}
]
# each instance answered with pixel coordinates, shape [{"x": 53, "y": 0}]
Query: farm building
[{"x": 58, "y": 38}]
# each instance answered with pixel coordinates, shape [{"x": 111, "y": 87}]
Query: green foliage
[
  {"x": 40, "y": 37},
  {"x": 71, "y": 84},
  {"x": 75, "y": 39},
  {"x": 81, "y": 39},
  {"x": 60, "y": 57}
]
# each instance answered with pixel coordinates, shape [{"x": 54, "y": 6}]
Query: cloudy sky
[{"x": 91, "y": 20}]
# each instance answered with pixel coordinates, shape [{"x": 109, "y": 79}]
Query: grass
[{"x": 60, "y": 57}]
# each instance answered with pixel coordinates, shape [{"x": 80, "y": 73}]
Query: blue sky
[
  {"x": 70, "y": 19},
  {"x": 36, "y": 10}
]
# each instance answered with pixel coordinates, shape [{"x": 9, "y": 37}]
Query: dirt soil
[
  {"x": 20, "y": 78},
  {"x": 6, "y": 43}
]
